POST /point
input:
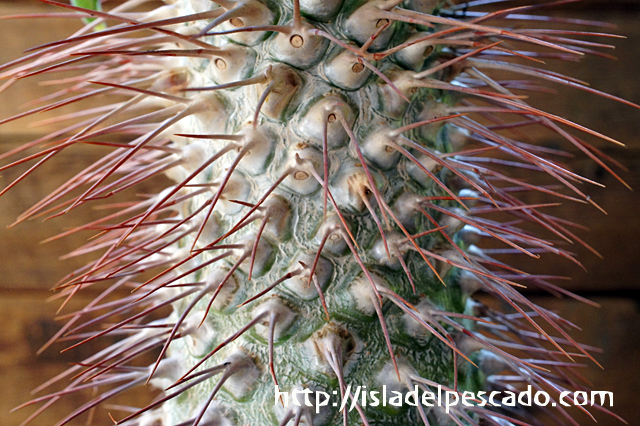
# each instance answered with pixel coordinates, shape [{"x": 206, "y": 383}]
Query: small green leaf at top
[{"x": 92, "y": 5}]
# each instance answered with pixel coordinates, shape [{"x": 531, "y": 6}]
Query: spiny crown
[{"x": 334, "y": 169}]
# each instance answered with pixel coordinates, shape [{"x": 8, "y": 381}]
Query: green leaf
[{"x": 93, "y": 5}]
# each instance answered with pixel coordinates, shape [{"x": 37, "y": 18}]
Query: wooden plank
[
  {"x": 615, "y": 77},
  {"x": 26, "y": 263},
  {"x": 17, "y": 36},
  {"x": 613, "y": 328},
  {"x": 28, "y": 324},
  {"x": 613, "y": 235}
]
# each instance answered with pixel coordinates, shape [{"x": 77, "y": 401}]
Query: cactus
[{"x": 336, "y": 166}]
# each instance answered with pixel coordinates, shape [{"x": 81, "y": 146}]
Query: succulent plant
[{"x": 336, "y": 164}]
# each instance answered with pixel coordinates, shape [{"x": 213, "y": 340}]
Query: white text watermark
[{"x": 359, "y": 395}]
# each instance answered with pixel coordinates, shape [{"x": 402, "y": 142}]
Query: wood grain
[
  {"x": 28, "y": 324},
  {"x": 608, "y": 328},
  {"x": 27, "y": 263}
]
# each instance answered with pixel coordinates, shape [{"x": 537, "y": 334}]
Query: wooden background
[{"x": 28, "y": 269}]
